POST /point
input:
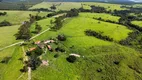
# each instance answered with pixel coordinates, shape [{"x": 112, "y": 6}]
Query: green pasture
[
  {"x": 7, "y": 35},
  {"x": 17, "y": 17},
  {"x": 139, "y": 23},
  {"x": 59, "y": 5}
]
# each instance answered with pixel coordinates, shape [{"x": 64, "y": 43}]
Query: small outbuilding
[
  {"x": 37, "y": 42},
  {"x": 76, "y": 55}
]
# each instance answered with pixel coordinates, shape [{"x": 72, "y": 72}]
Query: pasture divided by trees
[{"x": 101, "y": 36}]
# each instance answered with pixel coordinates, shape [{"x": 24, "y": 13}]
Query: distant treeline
[{"x": 41, "y": 9}]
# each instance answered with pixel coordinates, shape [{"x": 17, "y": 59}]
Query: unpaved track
[{"x": 29, "y": 73}]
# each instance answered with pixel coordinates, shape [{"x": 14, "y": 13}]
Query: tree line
[
  {"x": 97, "y": 35},
  {"x": 24, "y": 30},
  {"x": 5, "y": 23},
  {"x": 3, "y": 13},
  {"x": 58, "y": 23}
]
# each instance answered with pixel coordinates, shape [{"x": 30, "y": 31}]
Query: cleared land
[
  {"x": 100, "y": 60},
  {"x": 59, "y": 5},
  {"x": 7, "y": 35},
  {"x": 10, "y": 70},
  {"x": 100, "y": 15},
  {"x": 107, "y": 6},
  {"x": 98, "y": 54},
  {"x": 17, "y": 17}
]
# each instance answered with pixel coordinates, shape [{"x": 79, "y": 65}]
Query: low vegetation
[{"x": 71, "y": 40}]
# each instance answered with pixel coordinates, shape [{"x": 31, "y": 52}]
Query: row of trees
[
  {"x": 38, "y": 28},
  {"x": 24, "y": 30},
  {"x": 97, "y": 35},
  {"x": 5, "y": 23},
  {"x": 58, "y": 23},
  {"x": 55, "y": 13},
  {"x": 128, "y": 40},
  {"x": 3, "y": 13},
  {"x": 72, "y": 13},
  {"x": 98, "y": 9}
]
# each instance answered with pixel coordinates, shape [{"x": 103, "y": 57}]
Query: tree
[
  {"x": 24, "y": 32},
  {"x": 72, "y": 13},
  {"x": 5, "y": 23},
  {"x": 71, "y": 59},
  {"x": 53, "y": 7},
  {"x": 61, "y": 37},
  {"x": 38, "y": 28},
  {"x": 23, "y": 7},
  {"x": 38, "y": 51}
]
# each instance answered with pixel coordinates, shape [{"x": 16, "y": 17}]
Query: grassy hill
[
  {"x": 98, "y": 54},
  {"x": 70, "y": 5},
  {"x": 99, "y": 59},
  {"x": 139, "y": 23},
  {"x": 17, "y": 17},
  {"x": 59, "y": 5}
]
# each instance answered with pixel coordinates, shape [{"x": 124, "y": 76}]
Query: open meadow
[{"x": 98, "y": 43}]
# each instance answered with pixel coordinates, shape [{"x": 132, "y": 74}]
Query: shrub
[
  {"x": 6, "y": 60},
  {"x": 72, "y": 13},
  {"x": 25, "y": 69},
  {"x": 71, "y": 59},
  {"x": 60, "y": 49},
  {"x": 97, "y": 35},
  {"x": 56, "y": 55},
  {"x": 99, "y": 70},
  {"x": 38, "y": 51},
  {"x": 5, "y": 23},
  {"x": 61, "y": 37},
  {"x": 116, "y": 62}
]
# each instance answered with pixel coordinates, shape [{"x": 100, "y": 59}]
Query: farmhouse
[
  {"x": 41, "y": 45},
  {"x": 37, "y": 42},
  {"x": 32, "y": 49},
  {"x": 48, "y": 41},
  {"x": 49, "y": 47}
]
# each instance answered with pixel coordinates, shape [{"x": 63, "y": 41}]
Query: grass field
[
  {"x": 101, "y": 15},
  {"x": 11, "y": 70},
  {"x": 139, "y": 23},
  {"x": 98, "y": 54},
  {"x": 17, "y": 17},
  {"x": 115, "y": 61},
  {"x": 59, "y": 5},
  {"x": 7, "y": 35},
  {"x": 70, "y": 5},
  {"x": 105, "y": 5}
]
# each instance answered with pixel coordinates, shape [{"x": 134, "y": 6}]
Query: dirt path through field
[{"x": 23, "y": 41}]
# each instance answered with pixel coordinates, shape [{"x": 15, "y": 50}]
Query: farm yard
[{"x": 71, "y": 41}]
